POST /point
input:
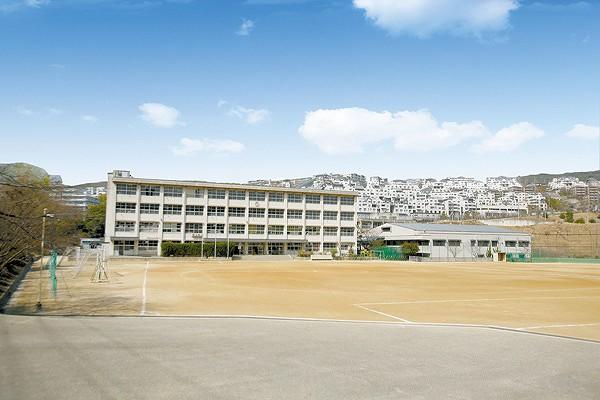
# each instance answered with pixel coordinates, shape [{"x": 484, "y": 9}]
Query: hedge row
[{"x": 170, "y": 249}]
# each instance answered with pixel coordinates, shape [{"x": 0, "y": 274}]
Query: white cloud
[
  {"x": 509, "y": 139},
  {"x": 24, "y": 111},
  {"x": 160, "y": 115},
  {"x": 581, "y": 131},
  {"x": 7, "y": 6},
  {"x": 425, "y": 17},
  {"x": 189, "y": 146},
  {"x": 54, "y": 111},
  {"x": 250, "y": 115},
  {"x": 351, "y": 130},
  {"x": 89, "y": 118},
  {"x": 246, "y": 27}
]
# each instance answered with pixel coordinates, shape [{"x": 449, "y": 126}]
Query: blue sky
[{"x": 238, "y": 90}]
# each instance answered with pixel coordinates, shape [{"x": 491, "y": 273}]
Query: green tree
[
  {"x": 410, "y": 248},
  {"x": 554, "y": 204},
  {"x": 95, "y": 218},
  {"x": 569, "y": 216}
]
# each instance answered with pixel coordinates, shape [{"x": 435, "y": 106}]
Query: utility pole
[{"x": 38, "y": 305}]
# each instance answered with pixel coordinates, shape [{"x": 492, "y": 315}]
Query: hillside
[{"x": 544, "y": 179}]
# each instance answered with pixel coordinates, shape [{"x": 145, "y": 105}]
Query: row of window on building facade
[
  {"x": 220, "y": 211},
  {"x": 458, "y": 243},
  {"x": 151, "y": 246},
  {"x": 234, "y": 229},
  {"x": 174, "y": 191}
]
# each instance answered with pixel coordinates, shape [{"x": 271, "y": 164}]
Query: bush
[
  {"x": 580, "y": 221},
  {"x": 562, "y": 216},
  {"x": 592, "y": 221},
  {"x": 170, "y": 249},
  {"x": 410, "y": 248},
  {"x": 333, "y": 252},
  {"x": 569, "y": 216}
]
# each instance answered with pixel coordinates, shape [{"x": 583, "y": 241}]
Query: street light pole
[{"x": 38, "y": 305}]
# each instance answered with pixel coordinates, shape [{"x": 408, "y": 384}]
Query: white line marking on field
[
  {"x": 559, "y": 326},
  {"x": 382, "y": 313},
  {"x": 143, "y": 311},
  {"x": 484, "y": 299}
]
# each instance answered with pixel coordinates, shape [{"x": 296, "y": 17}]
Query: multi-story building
[{"x": 143, "y": 213}]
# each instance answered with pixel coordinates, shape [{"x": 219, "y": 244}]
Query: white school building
[{"x": 143, "y": 213}]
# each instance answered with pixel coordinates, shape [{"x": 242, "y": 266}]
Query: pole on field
[
  {"x": 227, "y": 246},
  {"x": 215, "y": 253},
  {"x": 38, "y": 305}
]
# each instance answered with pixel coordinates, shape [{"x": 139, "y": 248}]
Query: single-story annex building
[{"x": 452, "y": 242}]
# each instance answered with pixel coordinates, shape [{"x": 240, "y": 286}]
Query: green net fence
[{"x": 389, "y": 253}]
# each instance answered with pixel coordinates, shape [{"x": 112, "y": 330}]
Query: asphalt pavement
[{"x": 197, "y": 358}]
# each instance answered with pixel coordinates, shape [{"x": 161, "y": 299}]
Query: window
[
  {"x": 523, "y": 244},
  {"x": 330, "y": 200},
  {"x": 294, "y": 214},
  {"x": 216, "y": 211},
  {"x": 216, "y": 193},
  {"x": 215, "y": 228},
  {"x": 172, "y": 191},
  {"x": 329, "y": 246},
  {"x": 294, "y": 230},
  {"x": 278, "y": 197},
  {"x": 256, "y": 229},
  {"x": 193, "y": 227},
  {"x": 439, "y": 243},
  {"x": 148, "y": 246},
  {"x": 237, "y": 195},
  {"x": 511, "y": 243},
  {"x": 127, "y": 208},
  {"x": 313, "y": 230},
  {"x": 257, "y": 196},
  {"x": 256, "y": 213},
  {"x": 330, "y": 231},
  {"x": 197, "y": 193},
  {"x": 294, "y": 198},
  {"x": 124, "y": 226},
  {"x": 313, "y": 246},
  {"x": 237, "y": 212},
  {"x": 294, "y": 246},
  {"x": 483, "y": 243},
  {"x": 126, "y": 188},
  {"x": 473, "y": 243},
  {"x": 124, "y": 247},
  {"x": 275, "y": 213},
  {"x": 494, "y": 243},
  {"x": 347, "y": 200},
  {"x": 275, "y": 229},
  {"x": 347, "y": 216},
  {"x": 172, "y": 209},
  {"x": 149, "y": 227},
  {"x": 150, "y": 190},
  {"x": 313, "y": 214},
  {"x": 237, "y": 229},
  {"x": 454, "y": 243},
  {"x": 171, "y": 227},
  {"x": 345, "y": 231},
  {"x": 194, "y": 210},
  {"x": 330, "y": 215},
  {"x": 313, "y": 199},
  {"x": 149, "y": 208}
]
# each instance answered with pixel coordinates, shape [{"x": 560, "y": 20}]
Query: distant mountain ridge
[
  {"x": 16, "y": 170},
  {"x": 28, "y": 171},
  {"x": 544, "y": 178}
]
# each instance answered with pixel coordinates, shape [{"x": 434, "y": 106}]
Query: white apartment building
[{"x": 143, "y": 213}]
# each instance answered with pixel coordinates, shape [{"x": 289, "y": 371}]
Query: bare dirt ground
[{"x": 546, "y": 298}]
